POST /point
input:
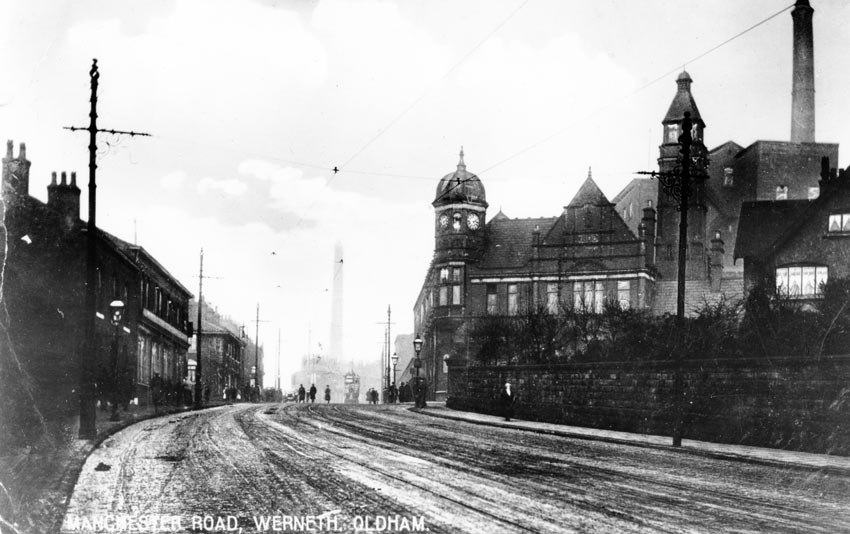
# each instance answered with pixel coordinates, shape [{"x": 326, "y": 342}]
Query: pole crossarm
[
  {"x": 103, "y": 130},
  {"x": 87, "y": 353}
]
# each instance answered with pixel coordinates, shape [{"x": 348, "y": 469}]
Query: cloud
[{"x": 229, "y": 187}]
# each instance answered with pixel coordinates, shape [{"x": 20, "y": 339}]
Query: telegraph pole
[
  {"x": 677, "y": 185},
  {"x": 257, "y": 322},
  {"x": 87, "y": 355},
  {"x": 386, "y": 354},
  {"x": 199, "y": 389}
]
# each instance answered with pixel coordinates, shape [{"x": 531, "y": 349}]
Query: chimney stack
[
  {"x": 803, "y": 87},
  {"x": 16, "y": 171}
]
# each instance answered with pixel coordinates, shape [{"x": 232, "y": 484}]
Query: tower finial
[
  {"x": 461, "y": 166},
  {"x": 589, "y": 173}
]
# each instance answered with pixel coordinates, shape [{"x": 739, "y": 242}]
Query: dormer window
[
  {"x": 781, "y": 192},
  {"x": 672, "y": 133},
  {"x": 695, "y": 132},
  {"x": 839, "y": 222},
  {"x": 814, "y": 192},
  {"x": 728, "y": 177}
]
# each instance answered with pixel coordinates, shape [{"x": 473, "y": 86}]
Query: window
[
  {"x": 672, "y": 133},
  {"x": 839, "y": 222},
  {"x": 552, "y": 298},
  {"x": 801, "y": 281},
  {"x": 451, "y": 288},
  {"x": 456, "y": 223},
  {"x": 513, "y": 304},
  {"x": 492, "y": 303},
  {"x": 814, "y": 192},
  {"x": 623, "y": 290},
  {"x": 589, "y": 296},
  {"x": 781, "y": 192},
  {"x": 728, "y": 177}
]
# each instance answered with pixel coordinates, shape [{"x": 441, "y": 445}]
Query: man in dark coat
[
  {"x": 328, "y": 394},
  {"x": 507, "y": 399},
  {"x": 301, "y": 393},
  {"x": 313, "y": 393}
]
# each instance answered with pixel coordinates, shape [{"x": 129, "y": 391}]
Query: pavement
[
  {"x": 839, "y": 465},
  {"x": 37, "y": 483}
]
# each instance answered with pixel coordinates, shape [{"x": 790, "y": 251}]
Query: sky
[{"x": 252, "y": 103}]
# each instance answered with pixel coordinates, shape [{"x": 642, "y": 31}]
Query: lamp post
[
  {"x": 395, "y": 363},
  {"x": 116, "y": 308},
  {"x": 419, "y": 391}
]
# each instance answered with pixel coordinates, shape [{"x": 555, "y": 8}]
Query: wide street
[{"x": 346, "y": 468}]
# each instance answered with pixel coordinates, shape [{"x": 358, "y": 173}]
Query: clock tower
[{"x": 459, "y": 210}]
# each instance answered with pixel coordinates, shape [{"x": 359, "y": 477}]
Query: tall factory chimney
[
  {"x": 803, "y": 88},
  {"x": 336, "y": 348}
]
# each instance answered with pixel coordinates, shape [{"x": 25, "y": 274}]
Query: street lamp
[
  {"x": 395, "y": 363},
  {"x": 116, "y": 308},
  {"x": 417, "y": 363}
]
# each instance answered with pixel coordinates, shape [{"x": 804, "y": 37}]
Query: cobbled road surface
[{"x": 383, "y": 468}]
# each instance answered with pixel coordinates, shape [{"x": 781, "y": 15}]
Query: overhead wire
[{"x": 636, "y": 91}]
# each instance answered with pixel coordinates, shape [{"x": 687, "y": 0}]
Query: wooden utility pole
[
  {"x": 677, "y": 185},
  {"x": 199, "y": 389},
  {"x": 257, "y": 322},
  {"x": 88, "y": 350}
]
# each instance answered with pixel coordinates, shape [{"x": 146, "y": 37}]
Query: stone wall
[{"x": 782, "y": 403}]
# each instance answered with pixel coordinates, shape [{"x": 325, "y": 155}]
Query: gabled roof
[
  {"x": 509, "y": 241},
  {"x": 589, "y": 193},
  {"x": 764, "y": 223},
  {"x": 643, "y": 185}
]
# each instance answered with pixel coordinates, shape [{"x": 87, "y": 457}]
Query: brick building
[
  {"x": 797, "y": 245},
  {"x": 627, "y": 250},
  {"x": 224, "y": 352},
  {"x": 43, "y": 280},
  {"x": 580, "y": 258}
]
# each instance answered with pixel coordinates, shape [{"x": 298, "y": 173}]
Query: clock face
[
  {"x": 472, "y": 221},
  {"x": 444, "y": 221}
]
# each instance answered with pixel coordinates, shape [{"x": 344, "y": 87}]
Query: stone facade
[{"x": 782, "y": 402}]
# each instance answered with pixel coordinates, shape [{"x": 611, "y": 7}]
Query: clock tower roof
[{"x": 460, "y": 186}]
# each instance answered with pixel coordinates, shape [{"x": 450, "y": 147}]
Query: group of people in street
[
  {"x": 372, "y": 396},
  {"x": 305, "y": 395}
]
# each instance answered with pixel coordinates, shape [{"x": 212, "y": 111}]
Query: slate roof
[
  {"x": 683, "y": 101},
  {"x": 509, "y": 242},
  {"x": 763, "y": 223},
  {"x": 130, "y": 251},
  {"x": 589, "y": 193},
  {"x": 460, "y": 186}
]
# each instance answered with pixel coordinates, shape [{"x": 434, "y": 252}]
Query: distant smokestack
[
  {"x": 336, "y": 348},
  {"x": 803, "y": 90}
]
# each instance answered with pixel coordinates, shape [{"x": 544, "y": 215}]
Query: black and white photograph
[{"x": 445, "y": 266}]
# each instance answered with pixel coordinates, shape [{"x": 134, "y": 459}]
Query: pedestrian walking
[
  {"x": 313, "y": 393},
  {"x": 507, "y": 398},
  {"x": 328, "y": 394},
  {"x": 156, "y": 391},
  {"x": 301, "y": 393}
]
